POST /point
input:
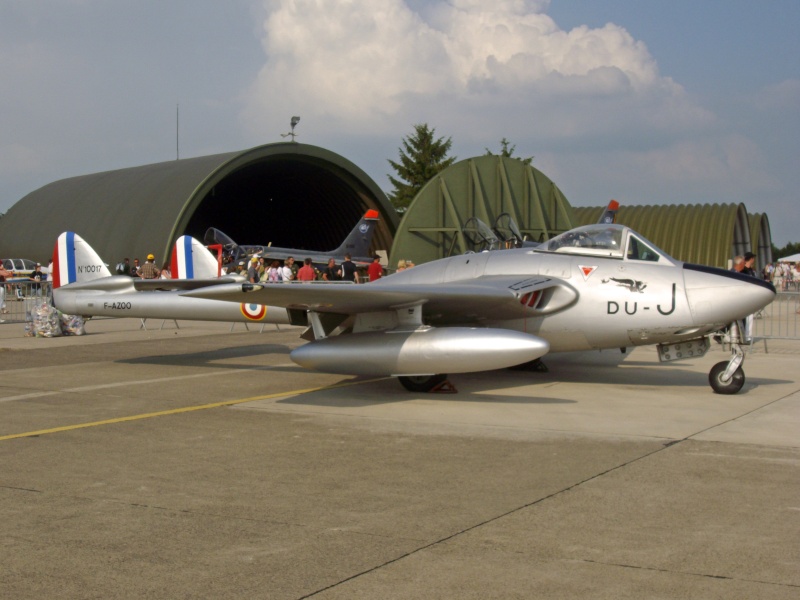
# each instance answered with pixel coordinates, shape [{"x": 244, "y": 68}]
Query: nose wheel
[
  {"x": 719, "y": 384},
  {"x": 727, "y": 377}
]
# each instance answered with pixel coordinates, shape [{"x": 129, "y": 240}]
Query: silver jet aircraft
[
  {"x": 83, "y": 285},
  {"x": 595, "y": 287}
]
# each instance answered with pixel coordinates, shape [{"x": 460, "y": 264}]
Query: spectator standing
[
  {"x": 375, "y": 270},
  {"x": 293, "y": 266},
  {"x": 37, "y": 277},
  {"x": 149, "y": 270},
  {"x": 306, "y": 272},
  {"x": 262, "y": 268},
  {"x": 3, "y": 274},
  {"x": 738, "y": 264},
  {"x": 135, "y": 268},
  {"x": 252, "y": 270},
  {"x": 349, "y": 270},
  {"x": 275, "y": 271},
  {"x": 331, "y": 273},
  {"x": 749, "y": 263},
  {"x": 286, "y": 272}
]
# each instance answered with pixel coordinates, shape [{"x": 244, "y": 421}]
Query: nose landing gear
[{"x": 727, "y": 377}]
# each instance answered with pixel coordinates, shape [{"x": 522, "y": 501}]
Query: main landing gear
[
  {"x": 424, "y": 383},
  {"x": 727, "y": 377}
]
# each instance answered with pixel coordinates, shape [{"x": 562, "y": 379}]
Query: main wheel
[
  {"x": 422, "y": 383},
  {"x": 730, "y": 387}
]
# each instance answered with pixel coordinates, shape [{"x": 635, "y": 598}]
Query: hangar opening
[{"x": 284, "y": 201}]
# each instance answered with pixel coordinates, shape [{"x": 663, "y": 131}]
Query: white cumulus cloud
[{"x": 475, "y": 70}]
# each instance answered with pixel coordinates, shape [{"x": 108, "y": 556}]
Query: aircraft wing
[{"x": 466, "y": 301}]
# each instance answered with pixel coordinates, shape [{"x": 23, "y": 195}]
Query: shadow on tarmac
[{"x": 215, "y": 357}]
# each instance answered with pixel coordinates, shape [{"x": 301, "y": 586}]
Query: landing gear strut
[{"x": 727, "y": 377}]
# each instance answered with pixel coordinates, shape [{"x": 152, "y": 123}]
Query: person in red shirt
[
  {"x": 306, "y": 272},
  {"x": 375, "y": 270}
]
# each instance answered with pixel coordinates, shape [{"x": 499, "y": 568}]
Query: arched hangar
[
  {"x": 285, "y": 194},
  {"x": 488, "y": 188}
]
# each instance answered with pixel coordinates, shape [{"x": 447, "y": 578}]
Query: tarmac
[{"x": 190, "y": 460}]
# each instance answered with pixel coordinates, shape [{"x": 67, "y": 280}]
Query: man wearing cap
[{"x": 149, "y": 270}]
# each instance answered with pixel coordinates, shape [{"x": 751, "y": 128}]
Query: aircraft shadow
[
  {"x": 388, "y": 391},
  {"x": 216, "y": 357}
]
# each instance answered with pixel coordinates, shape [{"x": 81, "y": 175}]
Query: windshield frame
[{"x": 604, "y": 240}]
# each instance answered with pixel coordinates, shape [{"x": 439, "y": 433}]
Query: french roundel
[{"x": 254, "y": 312}]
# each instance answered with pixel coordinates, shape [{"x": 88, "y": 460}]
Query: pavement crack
[
  {"x": 490, "y": 520},
  {"x": 689, "y": 573},
  {"x": 737, "y": 417},
  {"x": 21, "y": 489}
]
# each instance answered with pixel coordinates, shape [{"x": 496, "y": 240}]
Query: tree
[
  {"x": 507, "y": 151},
  {"x": 787, "y": 250},
  {"x": 422, "y": 157}
]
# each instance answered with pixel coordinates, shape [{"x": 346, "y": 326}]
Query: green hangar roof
[
  {"x": 285, "y": 194},
  {"x": 484, "y": 187}
]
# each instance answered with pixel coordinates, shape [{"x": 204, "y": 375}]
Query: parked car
[{"x": 22, "y": 267}]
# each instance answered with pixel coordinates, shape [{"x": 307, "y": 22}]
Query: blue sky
[{"x": 648, "y": 102}]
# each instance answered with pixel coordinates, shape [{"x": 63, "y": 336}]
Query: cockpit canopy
[{"x": 613, "y": 241}]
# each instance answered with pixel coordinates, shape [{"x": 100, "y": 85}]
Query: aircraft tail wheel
[
  {"x": 730, "y": 387},
  {"x": 422, "y": 383}
]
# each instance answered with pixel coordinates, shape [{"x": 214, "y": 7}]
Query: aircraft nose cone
[{"x": 720, "y": 296}]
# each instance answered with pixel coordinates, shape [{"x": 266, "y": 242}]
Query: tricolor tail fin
[
  {"x": 75, "y": 261},
  {"x": 192, "y": 260}
]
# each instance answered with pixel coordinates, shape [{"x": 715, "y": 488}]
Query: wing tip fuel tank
[{"x": 421, "y": 352}]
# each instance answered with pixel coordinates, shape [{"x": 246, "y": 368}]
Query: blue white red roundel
[{"x": 254, "y": 312}]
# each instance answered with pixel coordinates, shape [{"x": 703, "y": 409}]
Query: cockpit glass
[
  {"x": 593, "y": 240},
  {"x": 639, "y": 250}
]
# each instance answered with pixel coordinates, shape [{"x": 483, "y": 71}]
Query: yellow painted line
[{"x": 177, "y": 411}]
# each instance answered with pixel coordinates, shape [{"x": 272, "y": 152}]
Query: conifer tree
[
  {"x": 507, "y": 151},
  {"x": 422, "y": 157}
]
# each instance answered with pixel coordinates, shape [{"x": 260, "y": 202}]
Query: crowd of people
[
  {"x": 783, "y": 275},
  {"x": 258, "y": 268},
  {"x": 263, "y": 269},
  {"x": 148, "y": 270}
]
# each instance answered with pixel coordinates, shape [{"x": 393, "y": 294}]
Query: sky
[{"x": 643, "y": 101}]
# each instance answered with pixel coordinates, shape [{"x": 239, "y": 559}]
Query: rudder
[{"x": 75, "y": 261}]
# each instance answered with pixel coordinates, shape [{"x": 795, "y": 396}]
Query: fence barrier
[
  {"x": 780, "y": 320},
  {"x": 17, "y": 299}
]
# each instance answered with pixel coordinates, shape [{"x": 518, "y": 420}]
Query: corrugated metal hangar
[
  {"x": 301, "y": 196},
  {"x": 287, "y": 194},
  {"x": 484, "y": 187}
]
